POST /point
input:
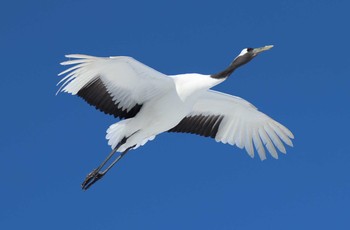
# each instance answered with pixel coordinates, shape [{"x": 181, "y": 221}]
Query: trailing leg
[{"x": 95, "y": 175}]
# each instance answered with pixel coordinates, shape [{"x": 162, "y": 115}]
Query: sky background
[{"x": 178, "y": 181}]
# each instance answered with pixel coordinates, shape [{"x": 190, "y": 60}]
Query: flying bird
[{"x": 149, "y": 103}]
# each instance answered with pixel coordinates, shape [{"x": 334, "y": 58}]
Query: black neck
[
  {"x": 239, "y": 61},
  {"x": 224, "y": 74}
]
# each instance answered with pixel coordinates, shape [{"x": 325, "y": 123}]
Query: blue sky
[{"x": 49, "y": 143}]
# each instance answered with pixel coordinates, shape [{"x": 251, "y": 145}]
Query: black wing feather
[
  {"x": 203, "y": 125},
  {"x": 95, "y": 93}
]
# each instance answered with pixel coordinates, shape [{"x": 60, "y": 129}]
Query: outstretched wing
[
  {"x": 115, "y": 85},
  {"x": 232, "y": 120}
]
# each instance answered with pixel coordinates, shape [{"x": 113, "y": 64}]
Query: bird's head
[
  {"x": 244, "y": 57},
  {"x": 248, "y": 54}
]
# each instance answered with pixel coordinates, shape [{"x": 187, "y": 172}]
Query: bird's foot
[{"x": 91, "y": 178}]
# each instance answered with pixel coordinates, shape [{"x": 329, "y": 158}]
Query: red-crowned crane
[{"x": 149, "y": 103}]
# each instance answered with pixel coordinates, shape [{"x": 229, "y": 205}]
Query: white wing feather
[
  {"x": 243, "y": 125},
  {"x": 127, "y": 80}
]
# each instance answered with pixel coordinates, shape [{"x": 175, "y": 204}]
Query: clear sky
[{"x": 178, "y": 181}]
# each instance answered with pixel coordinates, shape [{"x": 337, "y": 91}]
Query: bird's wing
[
  {"x": 115, "y": 85},
  {"x": 232, "y": 120}
]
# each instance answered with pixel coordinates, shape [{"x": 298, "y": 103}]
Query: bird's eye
[{"x": 249, "y": 49}]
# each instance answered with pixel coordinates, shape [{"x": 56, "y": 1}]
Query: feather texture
[
  {"x": 240, "y": 124},
  {"x": 116, "y": 85}
]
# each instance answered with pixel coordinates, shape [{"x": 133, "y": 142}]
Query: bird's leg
[
  {"x": 95, "y": 173},
  {"x": 99, "y": 175},
  {"x": 116, "y": 160}
]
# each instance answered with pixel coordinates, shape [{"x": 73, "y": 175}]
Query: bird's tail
[{"x": 116, "y": 132}]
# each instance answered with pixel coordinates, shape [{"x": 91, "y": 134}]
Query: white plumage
[
  {"x": 151, "y": 103},
  {"x": 243, "y": 125},
  {"x": 130, "y": 82}
]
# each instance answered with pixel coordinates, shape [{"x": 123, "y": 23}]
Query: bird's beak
[{"x": 261, "y": 49}]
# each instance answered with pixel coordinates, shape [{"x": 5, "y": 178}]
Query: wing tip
[
  {"x": 262, "y": 158},
  {"x": 77, "y": 56}
]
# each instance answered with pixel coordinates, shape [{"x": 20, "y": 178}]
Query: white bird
[{"x": 150, "y": 103}]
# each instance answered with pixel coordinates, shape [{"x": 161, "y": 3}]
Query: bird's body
[
  {"x": 150, "y": 103},
  {"x": 165, "y": 111}
]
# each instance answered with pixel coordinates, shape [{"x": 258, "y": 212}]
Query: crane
[{"x": 149, "y": 103}]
